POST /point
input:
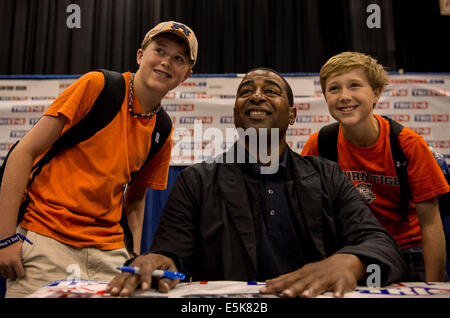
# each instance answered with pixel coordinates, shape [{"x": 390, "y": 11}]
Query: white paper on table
[{"x": 235, "y": 289}]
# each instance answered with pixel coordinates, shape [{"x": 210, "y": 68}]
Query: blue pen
[{"x": 156, "y": 273}]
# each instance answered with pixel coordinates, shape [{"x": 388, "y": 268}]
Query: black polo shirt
[{"x": 279, "y": 246}]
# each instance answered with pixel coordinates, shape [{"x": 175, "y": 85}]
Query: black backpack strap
[
  {"x": 163, "y": 127},
  {"x": 105, "y": 108},
  {"x": 400, "y": 163},
  {"x": 327, "y": 141},
  {"x": 161, "y": 132}
]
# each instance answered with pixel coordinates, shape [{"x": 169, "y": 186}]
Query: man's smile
[{"x": 258, "y": 113}]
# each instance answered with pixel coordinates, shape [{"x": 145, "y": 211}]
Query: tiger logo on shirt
[{"x": 365, "y": 191}]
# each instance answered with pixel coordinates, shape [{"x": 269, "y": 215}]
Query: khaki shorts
[{"x": 48, "y": 260}]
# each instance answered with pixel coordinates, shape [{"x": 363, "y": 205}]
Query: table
[{"x": 235, "y": 289}]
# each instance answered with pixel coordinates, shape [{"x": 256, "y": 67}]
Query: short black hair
[{"x": 289, "y": 93}]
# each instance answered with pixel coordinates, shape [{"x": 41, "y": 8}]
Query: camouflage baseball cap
[{"x": 177, "y": 28}]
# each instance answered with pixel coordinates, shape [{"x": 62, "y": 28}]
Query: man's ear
[
  {"x": 139, "y": 55},
  {"x": 292, "y": 115}
]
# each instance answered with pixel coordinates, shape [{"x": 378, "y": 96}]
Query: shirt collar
[{"x": 255, "y": 168}]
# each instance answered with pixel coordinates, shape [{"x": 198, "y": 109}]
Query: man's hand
[
  {"x": 11, "y": 261},
  {"x": 337, "y": 273},
  {"x": 125, "y": 284}
]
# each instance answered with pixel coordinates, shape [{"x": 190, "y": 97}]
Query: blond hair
[{"x": 346, "y": 61}]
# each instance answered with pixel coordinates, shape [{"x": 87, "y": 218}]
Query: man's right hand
[
  {"x": 11, "y": 261},
  {"x": 125, "y": 284}
]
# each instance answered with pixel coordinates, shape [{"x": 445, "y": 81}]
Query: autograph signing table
[{"x": 234, "y": 289}]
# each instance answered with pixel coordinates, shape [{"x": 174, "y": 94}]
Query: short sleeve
[
  {"x": 311, "y": 148},
  {"x": 425, "y": 177},
  {"x": 76, "y": 101}
]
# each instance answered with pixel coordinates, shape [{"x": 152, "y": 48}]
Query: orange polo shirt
[{"x": 78, "y": 196}]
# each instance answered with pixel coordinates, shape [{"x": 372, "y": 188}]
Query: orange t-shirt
[
  {"x": 78, "y": 196},
  {"x": 372, "y": 171}
]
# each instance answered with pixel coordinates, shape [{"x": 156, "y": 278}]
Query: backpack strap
[
  {"x": 400, "y": 163},
  {"x": 163, "y": 127},
  {"x": 105, "y": 108},
  {"x": 161, "y": 132},
  {"x": 327, "y": 141}
]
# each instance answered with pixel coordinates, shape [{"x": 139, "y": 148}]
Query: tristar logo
[
  {"x": 193, "y": 84},
  {"x": 298, "y": 132},
  {"x": 5, "y": 146},
  {"x": 442, "y": 118},
  {"x": 170, "y": 95},
  {"x": 302, "y": 106},
  {"x": 313, "y": 119},
  {"x": 429, "y": 92},
  {"x": 28, "y": 109},
  {"x": 13, "y": 98},
  {"x": 12, "y": 121},
  {"x": 439, "y": 143},
  {"x": 64, "y": 85},
  {"x": 33, "y": 121},
  {"x": 17, "y": 133},
  {"x": 395, "y": 92},
  {"x": 226, "y": 119},
  {"x": 192, "y": 119},
  {"x": 178, "y": 107},
  {"x": 422, "y": 130},
  {"x": 411, "y": 105},
  {"x": 194, "y": 95},
  {"x": 382, "y": 105},
  {"x": 399, "y": 117}
]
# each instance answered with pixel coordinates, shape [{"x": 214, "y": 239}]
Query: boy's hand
[{"x": 11, "y": 261}]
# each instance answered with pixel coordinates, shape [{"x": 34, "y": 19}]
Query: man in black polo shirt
[{"x": 295, "y": 222}]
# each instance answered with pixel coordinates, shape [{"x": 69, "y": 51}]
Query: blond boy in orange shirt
[{"x": 352, "y": 84}]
